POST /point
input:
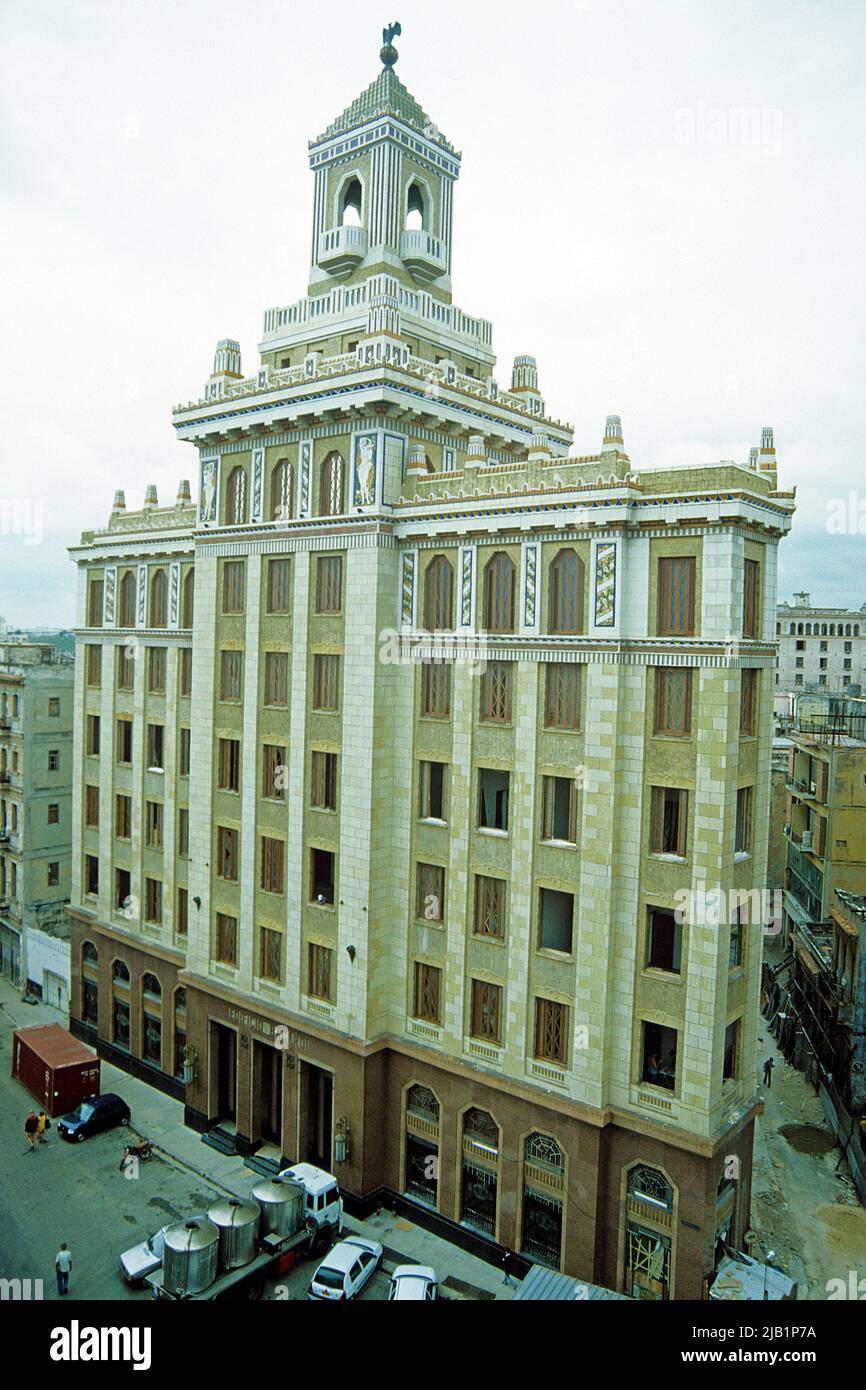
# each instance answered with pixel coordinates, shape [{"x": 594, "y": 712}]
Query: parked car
[
  {"x": 93, "y": 1115},
  {"x": 413, "y": 1284},
  {"x": 344, "y": 1272},
  {"x": 142, "y": 1259}
]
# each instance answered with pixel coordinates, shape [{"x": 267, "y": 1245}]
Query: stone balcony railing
[
  {"x": 342, "y": 248},
  {"x": 423, "y": 255},
  {"x": 343, "y": 300}
]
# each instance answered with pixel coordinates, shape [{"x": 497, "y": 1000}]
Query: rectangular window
[
  {"x": 122, "y": 889},
  {"x": 676, "y": 596},
  {"x": 227, "y": 853},
  {"x": 324, "y": 781},
  {"x": 276, "y": 678},
  {"x": 555, "y": 920},
  {"x": 92, "y": 736},
  {"x": 322, "y": 873},
  {"x": 279, "y": 592},
  {"x": 430, "y": 892},
  {"x": 54, "y": 703},
  {"x": 743, "y": 841},
  {"x": 551, "y": 1026},
  {"x": 94, "y": 603},
  {"x": 226, "y": 939},
  {"x": 53, "y": 875},
  {"x": 274, "y": 772},
  {"x": 271, "y": 955},
  {"x": 152, "y": 900},
  {"x": 184, "y": 664},
  {"x": 748, "y": 702},
  {"x": 751, "y": 598},
  {"x": 319, "y": 981},
  {"x": 562, "y": 695},
  {"x": 229, "y": 766},
  {"x": 559, "y": 810},
  {"x": 669, "y": 809},
  {"x": 156, "y": 670},
  {"x": 123, "y": 817},
  {"x": 664, "y": 941},
  {"x": 659, "y": 1055},
  {"x": 673, "y": 702},
  {"x": 53, "y": 760},
  {"x": 736, "y": 950},
  {"x": 273, "y": 856},
  {"x": 182, "y": 923},
  {"x": 489, "y": 906},
  {"x": 431, "y": 791},
  {"x": 496, "y": 684},
  {"x": 493, "y": 788},
  {"x": 125, "y": 667},
  {"x": 124, "y": 740},
  {"x": 326, "y": 677},
  {"x": 231, "y": 670},
  {"x": 428, "y": 990},
  {"x": 153, "y": 824},
  {"x": 94, "y": 665},
  {"x": 54, "y": 812},
  {"x": 436, "y": 690},
  {"x": 183, "y": 753},
  {"x": 183, "y": 832},
  {"x": 155, "y": 737},
  {"x": 91, "y": 874},
  {"x": 487, "y": 1012},
  {"x": 233, "y": 586},
  {"x": 329, "y": 584},
  {"x": 731, "y": 1054}
]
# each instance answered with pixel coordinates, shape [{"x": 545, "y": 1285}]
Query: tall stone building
[
  {"x": 415, "y": 918},
  {"x": 820, "y": 648}
]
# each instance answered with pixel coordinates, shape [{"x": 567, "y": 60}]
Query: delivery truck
[
  {"x": 240, "y": 1244},
  {"x": 57, "y": 1069}
]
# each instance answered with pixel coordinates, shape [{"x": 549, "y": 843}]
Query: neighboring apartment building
[
  {"x": 36, "y": 687},
  {"x": 820, "y": 648},
  {"x": 825, "y": 820},
  {"x": 416, "y": 918}
]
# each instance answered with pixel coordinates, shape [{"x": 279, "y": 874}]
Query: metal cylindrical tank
[
  {"x": 189, "y": 1261},
  {"x": 238, "y": 1225},
  {"x": 282, "y": 1206}
]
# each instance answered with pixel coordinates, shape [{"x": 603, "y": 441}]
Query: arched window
[
  {"x": 281, "y": 491},
  {"x": 179, "y": 1031},
  {"x": 808, "y": 629},
  {"x": 791, "y": 630},
  {"x": 89, "y": 984},
  {"x": 120, "y": 973},
  {"x": 120, "y": 1005},
  {"x": 150, "y": 985},
  {"x": 188, "y": 598},
  {"x": 415, "y": 209},
  {"x": 159, "y": 599},
  {"x": 499, "y": 594},
  {"x": 127, "y": 600},
  {"x": 479, "y": 1179},
  {"x": 856, "y": 629},
  {"x": 799, "y": 629},
  {"x": 832, "y": 629},
  {"x": 351, "y": 203},
  {"x": 543, "y": 1197},
  {"x": 823, "y": 629},
  {"x": 332, "y": 486},
  {"x": 649, "y": 1204},
  {"x": 565, "y": 602},
  {"x": 151, "y": 1020},
  {"x": 650, "y": 1186},
  {"x": 438, "y": 595},
  {"x": 236, "y": 497},
  {"x": 422, "y": 1145},
  {"x": 847, "y": 629}
]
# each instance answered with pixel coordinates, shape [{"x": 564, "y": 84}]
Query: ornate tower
[{"x": 384, "y": 185}]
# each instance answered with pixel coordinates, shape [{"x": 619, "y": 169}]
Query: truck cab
[{"x": 322, "y": 1203}]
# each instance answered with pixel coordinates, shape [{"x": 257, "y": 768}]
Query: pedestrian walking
[
  {"x": 62, "y": 1266},
  {"x": 768, "y": 1071},
  {"x": 42, "y": 1124},
  {"x": 31, "y": 1124},
  {"x": 507, "y": 1267}
]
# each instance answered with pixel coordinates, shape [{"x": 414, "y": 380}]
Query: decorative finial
[{"x": 389, "y": 54}]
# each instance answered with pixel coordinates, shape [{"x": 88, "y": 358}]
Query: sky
[{"x": 661, "y": 200}]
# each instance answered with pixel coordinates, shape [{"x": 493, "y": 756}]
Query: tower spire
[{"x": 389, "y": 54}]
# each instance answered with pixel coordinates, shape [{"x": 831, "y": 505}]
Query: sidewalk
[{"x": 158, "y": 1117}]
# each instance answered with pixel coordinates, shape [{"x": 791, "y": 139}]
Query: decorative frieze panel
[
  {"x": 142, "y": 594},
  {"x": 258, "y": 484},
  {"x": 467, "y": 587},
  {"x": 529, "y": 588},
  {"x": 407, "y": 588},
  {"x": 605, "y": 584},
  {"x": 174, "y": 594},
  {"x": 305, "y": 471}
]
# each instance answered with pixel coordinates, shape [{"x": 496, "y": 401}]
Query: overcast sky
[{"x": 662, "y": 200}]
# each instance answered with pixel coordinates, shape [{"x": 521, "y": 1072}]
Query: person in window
[{"x": 654, "y": 1068}]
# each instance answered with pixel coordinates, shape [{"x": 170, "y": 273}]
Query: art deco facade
[{"x": 415, "y": 918}]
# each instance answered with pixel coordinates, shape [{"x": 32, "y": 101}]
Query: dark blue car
[{"x": 93, "y": 1115}]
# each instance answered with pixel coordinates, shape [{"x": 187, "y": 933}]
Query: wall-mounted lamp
[
  {"x": 189, "y": 1061},
  {"x": 351, "y": 952},
  {"x": 197, "y": 902},
  {"x": 341, "y": 1140}
]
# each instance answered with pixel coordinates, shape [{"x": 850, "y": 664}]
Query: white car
[
  {"x": 344, "y": 1272},
  {"x": 413, "y": 1284}
]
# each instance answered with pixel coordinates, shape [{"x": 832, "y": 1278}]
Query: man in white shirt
[{"x": 62, "y": 1265}]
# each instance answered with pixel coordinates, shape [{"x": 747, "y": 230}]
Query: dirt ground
[{"x": 802, "y": 1207}]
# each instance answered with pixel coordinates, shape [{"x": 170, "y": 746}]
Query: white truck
[{"x": 193, "y": 1270}]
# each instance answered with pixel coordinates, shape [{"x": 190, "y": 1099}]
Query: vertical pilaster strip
[
  {"x": 296, "y": 867},
  {"x": 204, "y": 675},
  {"x": 249, "y": 856}
]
